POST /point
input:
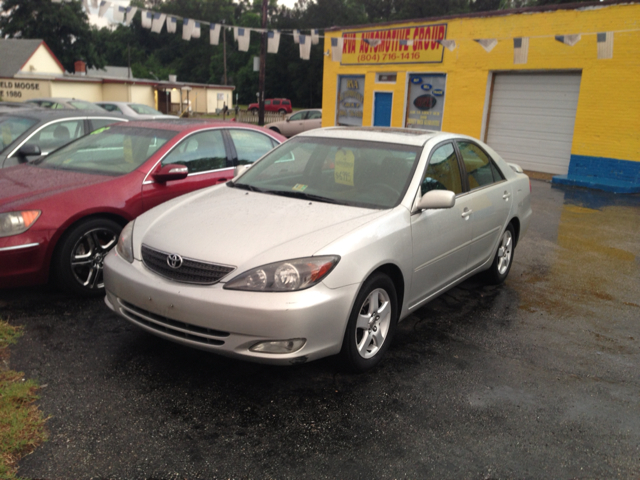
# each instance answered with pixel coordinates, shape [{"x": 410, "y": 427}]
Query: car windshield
[
  {"x": 144, "y": 110},
  {"x": 80, "y": 105},
  {"x": 109, "y": 150},
  {"x": 347, "y": 172},
  {"x": 11, "y": 128}
]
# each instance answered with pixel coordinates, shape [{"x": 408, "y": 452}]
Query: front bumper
[
  {"x": 23, "y": 260},
  {"x": 229, "y": 322}
]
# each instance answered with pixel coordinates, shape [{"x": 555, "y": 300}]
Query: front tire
[
  {"x": 504, "y": 257},
  {"x": 371, "y": 325},
  {"x": 80, "y": 255}
]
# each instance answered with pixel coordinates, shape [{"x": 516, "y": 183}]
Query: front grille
[
  {"x": 172, "y": 327},
  {"x": 191, "y": 271}
]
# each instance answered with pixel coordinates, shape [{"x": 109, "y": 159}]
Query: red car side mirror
[{"x": 170, "y": 172}]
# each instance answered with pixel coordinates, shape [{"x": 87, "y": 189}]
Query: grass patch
[{"x": 21, "y": 423}]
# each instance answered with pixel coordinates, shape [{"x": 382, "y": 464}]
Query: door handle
[
  {"x": 506, "y": 195},
  {"x": 466, "y": 213}
]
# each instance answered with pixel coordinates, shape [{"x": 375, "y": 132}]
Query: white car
[
  {"x": 322, "y": 246},
  {"x": 137, "y": 111}
]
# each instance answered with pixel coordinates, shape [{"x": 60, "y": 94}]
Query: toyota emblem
[{"x": 174, "y": 260}]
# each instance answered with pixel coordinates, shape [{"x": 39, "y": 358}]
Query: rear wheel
[
  {"x": 282, "y": 111},
  {"x": 80, "y": 255},
  {"x": 274, "y": 129},
  {"x": 371, "y": 325},
  {"x": 253, "y": 111},
  {"x": 503, "y": 258}
]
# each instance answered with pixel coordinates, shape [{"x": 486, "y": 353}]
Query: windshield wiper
[
  {"x": 244, "y": 186},
  {"x": 303, "y": 196}
]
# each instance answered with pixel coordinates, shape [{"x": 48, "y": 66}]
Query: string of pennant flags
[{"x": 192, "y": 28}]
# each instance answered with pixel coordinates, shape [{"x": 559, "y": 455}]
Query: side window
[
  {"x": 276, "y": 102},
  {"x": 479, "y": 167},
  {"x": 443, "y": 172},
  {"x": 314, "y": 115},
  {"x": 109, "y": 107},
  {"x": 267, "y": 102},
  {"x": 250, "y": 145},
  {"x": 298, "y": 116},
  {"x": 57, "y": 134},
  {"x": 200, "y": 152},
  {"x": 97, "y": 123},
  {"x": 286, "y": 102}
]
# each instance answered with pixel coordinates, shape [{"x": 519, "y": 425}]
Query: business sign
[
  {"x": 19, "y": 90},
  {"x": 394, "y": 45},
  {"x": 350, "y": 100},
  {"x": 425, "y": 104}
]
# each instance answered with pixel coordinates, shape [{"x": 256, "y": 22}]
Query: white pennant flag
[
  {"x": 172, "y": 23},
  {"x": 195, "y": 33},
  {"x": 118, "y": 13},
  {"x": 296, "y": 36},
  {"x": 214, "y": 34},
  {"x": 131, "y": 12},
  {"x": 187, "y": 28},
  {"x": 336, "y": 49},
  {"x": 487, "y": 43},
  {"x": 104, "y": 6},
  {"x": 147, "y": 18},
  {"x": 305, "y": 47},
  {"x": 56, "y": 1},
  {"x": 448, "y": 44},
  {"x": 158, "y": 22},
  {"x": 235, "y": 34},
  {"x": 94, "y": 3},
  {"x": 520, "y": 50},
  {"x": 605, "y": 45},
  {"x": 85, "y": 4},
  {"x": 315, "y": 37},
  {"x": 273, "y": 41},
  {"x": 244, "y": 38},
  {"x": 570, "y": 40}
]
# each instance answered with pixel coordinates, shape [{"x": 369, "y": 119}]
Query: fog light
[{"x": 279, "y": 346}]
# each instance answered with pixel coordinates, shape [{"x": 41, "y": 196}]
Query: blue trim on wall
[{"x": 608, "y": 174}]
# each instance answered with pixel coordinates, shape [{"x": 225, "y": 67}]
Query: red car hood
[{"x": 26, "y": 183}]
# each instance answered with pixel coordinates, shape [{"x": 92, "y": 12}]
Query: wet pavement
[{"x": 537, "y": 378}]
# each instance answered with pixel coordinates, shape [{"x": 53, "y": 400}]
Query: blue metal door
[{"x": 382, "y": 109}]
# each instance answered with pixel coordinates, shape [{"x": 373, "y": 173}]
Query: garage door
[{"x": 531, "y": 119}]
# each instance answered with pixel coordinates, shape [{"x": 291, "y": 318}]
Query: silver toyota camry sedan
[{"x": 322, "y": 246}]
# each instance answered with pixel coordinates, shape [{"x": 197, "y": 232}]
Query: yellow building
[
  {"x": 555, "y": 89},
  {"x": 29, "y": 69}
]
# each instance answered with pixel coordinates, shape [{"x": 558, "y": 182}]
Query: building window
[{"x": 386, "y": 77}]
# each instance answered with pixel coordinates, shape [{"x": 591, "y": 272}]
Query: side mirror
[
  {"x": 288, "y": 119},
  {"x": 29, "y": 150},
  {"x": 436, "y": 199},
  {"x": 170, "y": 172}
]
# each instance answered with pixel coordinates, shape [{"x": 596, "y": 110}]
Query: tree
[{"x": 63, "y": 26}]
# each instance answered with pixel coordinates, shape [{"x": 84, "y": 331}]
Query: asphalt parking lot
[{"x": 537, "y": 378}]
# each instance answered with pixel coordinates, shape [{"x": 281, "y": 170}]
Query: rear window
[
  {"x": 109, "y": 150},
  {"x": 11, "y": 128}
]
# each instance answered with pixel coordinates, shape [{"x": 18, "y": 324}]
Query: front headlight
[
  {"x": 286, "y": 276},
  {"x": 13, "y": 223},
  {"x": 124, "y": 248}
]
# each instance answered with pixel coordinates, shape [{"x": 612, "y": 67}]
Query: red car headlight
[{"x": 14, "y": 223}]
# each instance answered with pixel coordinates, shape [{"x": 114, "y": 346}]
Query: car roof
[
  {"x": 186, "y": 124},
  {"x": 48, "y": 114},
  {"x": 408, "y": 136}
]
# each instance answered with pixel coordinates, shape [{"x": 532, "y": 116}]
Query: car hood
[
  {"x": 26, "y": 183},
  {"x": 245, "y": 229}
]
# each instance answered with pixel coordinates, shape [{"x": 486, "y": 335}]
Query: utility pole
[
  {"x": 224, "y": 54},
  {"x": 263, "y": 61}
]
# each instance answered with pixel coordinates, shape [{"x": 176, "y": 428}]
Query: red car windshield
[{"x": 109, "y": 150}]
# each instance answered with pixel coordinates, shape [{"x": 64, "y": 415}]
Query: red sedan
[{"x": 60, "y": 215}]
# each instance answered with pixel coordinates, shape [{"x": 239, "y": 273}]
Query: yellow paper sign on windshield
[
  {"x": 128, "y": 150},
  {"x": 343, "y": 172},
  {"x": 6, "y": 135}
]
